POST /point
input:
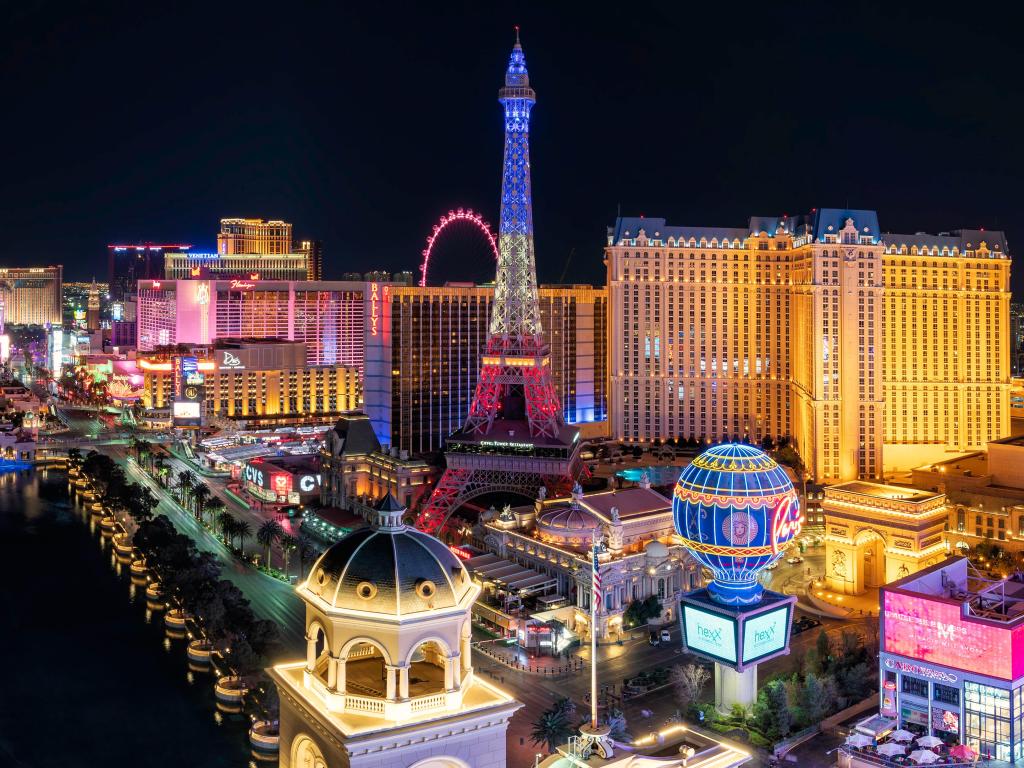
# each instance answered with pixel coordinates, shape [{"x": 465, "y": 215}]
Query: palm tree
[
  {"x": 552, "y": 729},
  {"x": 288, "y": 545},
  {"x": 193, "y": 483},
  {"x": 243, "y": 530},
  {"x": 227, "y": 524},
  {"x": 306, "y": 551},
  {"x": 266, "y": 535},
  {"x": 214, "y": 506},
  {"x": 199, "y": 497},
  {"x": 184, "y": 485}
]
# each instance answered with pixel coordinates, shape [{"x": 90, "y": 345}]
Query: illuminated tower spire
[
  {"x": 514, "y": 439},
  {"x": 516, "y": 370}
]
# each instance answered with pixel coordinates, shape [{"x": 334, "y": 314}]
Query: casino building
[
  {"x": 331, "y": 318},
  {"x": 876, "y": 352},
  {"x": 255, "y": 382},
  {"x": 952, "y": 657},
  {"x": 544, "y": 550}
]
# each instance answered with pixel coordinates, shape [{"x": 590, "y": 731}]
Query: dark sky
[{"x": 362, "y": 123}]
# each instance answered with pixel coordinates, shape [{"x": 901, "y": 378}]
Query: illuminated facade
[
  {"x": 258, "y": 383},
  {"x": 986, "y": 495},
  {"x": 876, "y": 534},
  {"x": 358, "y": 471},
  {"x": 388, "y": 677},
  {"x": 31, "y": 295},
  {"x": 875, "y": 352},
  {"x": 248, "y": 236},
  {"x": 331, "y": 318},
  {"x": 553, "y": 538},
  {"x": 952, "y": 658},
  {"x": 240, "y": 266},
  {"x": 423, "y": 367}
]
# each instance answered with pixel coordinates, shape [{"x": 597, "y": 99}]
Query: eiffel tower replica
[{"x": 514, "y": 439}]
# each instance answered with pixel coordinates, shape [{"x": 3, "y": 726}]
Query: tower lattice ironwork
[{"x": 514, "y": 438}]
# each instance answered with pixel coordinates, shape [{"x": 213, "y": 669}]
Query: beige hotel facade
[{"x": 874, "y": 352}]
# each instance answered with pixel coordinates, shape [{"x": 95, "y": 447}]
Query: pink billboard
[{"x": 933, "y": 631}]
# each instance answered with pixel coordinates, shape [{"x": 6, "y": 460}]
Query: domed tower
[
  {"x": 736, "y": 511},
  {"x": 388, "y": 661}
]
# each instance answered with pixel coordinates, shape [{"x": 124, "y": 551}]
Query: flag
[{"x": 596, "y": 584}]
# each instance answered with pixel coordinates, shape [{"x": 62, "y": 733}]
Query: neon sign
[
  {"x": 786, "y": 522},
  {"x": 230, "y": 360},
  {"x": 918, "y": 669},
  {"x": 308, "y": 483},
  {"x": 374, "y": 309},
  {"x": 242, "y": 285},
  {"x": 460, "y": 553}
]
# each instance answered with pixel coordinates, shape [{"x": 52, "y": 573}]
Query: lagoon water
[{"x": 86, "y": 680}]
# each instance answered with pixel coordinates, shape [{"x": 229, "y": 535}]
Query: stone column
[
  {"x": 390, "y": 675},
  {"x": 332, "y": 673},
  {"x": 403, "y": 682},
  {"x": 456, "y": 667},
  {"x": 449, "y": 672},
  {"x": 310, "y": 654},
  {"x": 466, "y": 655},
  {"x": 340, "y": 675}
]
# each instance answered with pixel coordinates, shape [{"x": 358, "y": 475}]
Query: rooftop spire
[{"x": 517, "y": 45}]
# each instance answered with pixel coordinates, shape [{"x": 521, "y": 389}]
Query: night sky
[{"x": 363, "y": 123}]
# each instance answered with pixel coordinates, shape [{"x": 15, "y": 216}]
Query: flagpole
[{"x": 593, "y": 639}]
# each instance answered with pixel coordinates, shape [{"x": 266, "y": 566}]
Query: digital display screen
[
  {"x": 710, "y": 633},
  {"x": 945, "y": 720},
  {"x": 186, "y": 410},
  {"x": 765, "y": 634},
  {"x": 934, "y": 631}
]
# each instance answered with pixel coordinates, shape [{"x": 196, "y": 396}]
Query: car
[
  {"x": 795, "y": 560},
  {"x": 773, "y": 566},
  {"x": 666, "y": 636},
  {"x": 653, "y": 639}
]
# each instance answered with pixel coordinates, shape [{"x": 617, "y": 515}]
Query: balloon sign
[{"x": 736, "y": 510}]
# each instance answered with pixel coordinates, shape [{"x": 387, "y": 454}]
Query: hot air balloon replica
[{"x": 736, "y": 511}]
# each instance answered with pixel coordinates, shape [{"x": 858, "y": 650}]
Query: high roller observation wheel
[{"x": 455, "y": 217}]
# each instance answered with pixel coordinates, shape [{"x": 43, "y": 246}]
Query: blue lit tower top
[
  {"x": 515, "y": 317},
  {"x": 736, "y": 510}
]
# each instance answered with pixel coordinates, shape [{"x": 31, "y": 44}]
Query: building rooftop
[
  {"x": 957, "y": 579},
  {"x": 890, "y": 492}
]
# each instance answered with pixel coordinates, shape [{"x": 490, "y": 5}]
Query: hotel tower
[{"x": 874, "y": 352}]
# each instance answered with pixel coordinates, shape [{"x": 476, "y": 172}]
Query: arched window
[{"x": 661, "y": 588}]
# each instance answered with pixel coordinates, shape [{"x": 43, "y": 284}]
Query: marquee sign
[
  {"x": 242, "y": 285},
  {"x": 921, "y": 670}
]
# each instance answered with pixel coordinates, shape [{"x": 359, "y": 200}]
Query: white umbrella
[
  {"x": 924, "y": 756},
  {"x": 891, "y": 748},
  {"x": 901, "y": 735},
  {"x": 859, "y": 740},
  {"x": 929, "y": 741}
]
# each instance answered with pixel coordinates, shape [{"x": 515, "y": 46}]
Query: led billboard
[
  {"x": 765, "y": 634},
  {"x": 934, "y": 631},
  {"x": 710, "y": 633},
  {"x": 185, "y": 410}
]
